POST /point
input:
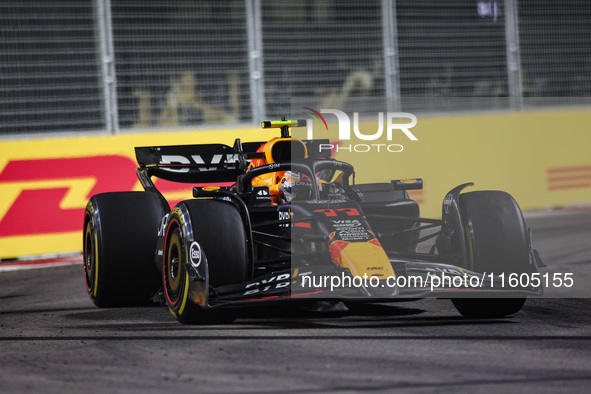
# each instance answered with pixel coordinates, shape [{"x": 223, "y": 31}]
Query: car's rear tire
[
  {"x": 218, "y": 229},
  {"x": 497, "y": 241},
  {"x": 120, "y": 235}
]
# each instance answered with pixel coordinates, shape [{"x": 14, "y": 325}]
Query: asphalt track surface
[{"x": 53, "y": 340}]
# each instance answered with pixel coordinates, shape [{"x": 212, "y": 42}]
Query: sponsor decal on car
[
  {"x": 179, "y": 160},
  {"x": 265, "y": 285},
  {"x": 285, "y": 215},
  {"x": 195, "y": 254},
  {"x": 262, "y": 193},
  {"x": 351, "y": 230}
]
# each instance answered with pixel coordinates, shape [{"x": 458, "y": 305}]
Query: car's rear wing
[
  {"x": 205, "y": 163},
  {"x": 196, "y": 163}
]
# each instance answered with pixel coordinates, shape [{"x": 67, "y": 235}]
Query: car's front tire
[
  {"x": 218, "y": 229},
  {"x": 497, "y": 240}
]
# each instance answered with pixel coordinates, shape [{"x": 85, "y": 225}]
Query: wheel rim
[
  {"x": 89, "y": 257},
  {"x": 173, "y": 268}
]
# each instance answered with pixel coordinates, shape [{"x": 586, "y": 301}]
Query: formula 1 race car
[{"x": 291, "y": 225}]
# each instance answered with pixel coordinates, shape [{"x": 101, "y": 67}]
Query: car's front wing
[{"x": 418, "y": 279}]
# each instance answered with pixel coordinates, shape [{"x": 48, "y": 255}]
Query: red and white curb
[{"x": 39, "y": 263}]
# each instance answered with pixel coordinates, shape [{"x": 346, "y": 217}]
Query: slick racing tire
[
  {"x": 497, "y": 241},
  {"x": 218, "y": 229},
  {"x": 120, "y": 235}
]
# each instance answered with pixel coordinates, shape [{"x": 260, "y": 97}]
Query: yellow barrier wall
[{"x": 541, "y": 158}]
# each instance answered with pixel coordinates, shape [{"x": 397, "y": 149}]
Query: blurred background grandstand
[{"x": 115, "y": 66}]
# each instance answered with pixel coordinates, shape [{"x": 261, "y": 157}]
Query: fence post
[
  {"x": 255, "y": 59},
  {"x": 390, "y": 43},
  {"x": 513, "y": 56},
  {"x": 107, "y": 59}
]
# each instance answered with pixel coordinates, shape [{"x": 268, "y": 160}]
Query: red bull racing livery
[{"x": 279, "y": 221}]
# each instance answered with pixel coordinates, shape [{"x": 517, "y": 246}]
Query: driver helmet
[{"x": 294, "y": 185}]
